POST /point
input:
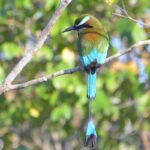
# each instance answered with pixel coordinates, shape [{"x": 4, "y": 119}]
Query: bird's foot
[{"x": 91, "y": 66}]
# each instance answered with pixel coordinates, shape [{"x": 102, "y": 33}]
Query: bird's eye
[
  {"x": 84, "y": 26},
  {"x": 78, "y": 27},
  {"x": 87, "y": 26}
]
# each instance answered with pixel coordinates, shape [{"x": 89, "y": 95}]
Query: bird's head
[
  {"x": 82, "y": 23},
  {"x": 89, "y": 25}
]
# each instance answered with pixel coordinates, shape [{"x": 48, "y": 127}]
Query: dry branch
[
  {"x": 124, "y": 14},
  {"x": 40, "y": 41},
  {"x": 5, "y": 88}
]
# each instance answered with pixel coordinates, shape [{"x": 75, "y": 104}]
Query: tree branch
[
  {"x": 44, "y": 78},
  {"x": 132, "y": 19},
  {"x": 40, "y": 41},
  {"x": 124, "y": 14},
  {"x": 5, "y": 88}
]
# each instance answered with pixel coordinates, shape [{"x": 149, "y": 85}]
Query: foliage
[{"x": 53, "y": 115}]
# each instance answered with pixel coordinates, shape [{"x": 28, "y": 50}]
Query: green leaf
[
  {"x": 2, "y": 74},
  {"x": 11, "y": 50},
  {"x": 111, "y": 83},
  {"x": 63, "y": 111},
  {"x": 46, "y": 52},
  {"x": 138, "y": 34},
  {"x": 49, "y": 4},
  {"x": 23, "y": 3},
  {"x": 143, "y": 103},
  {"x": 101, "y": 103}
]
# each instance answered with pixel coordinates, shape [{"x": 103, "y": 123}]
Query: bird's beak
[
  {"x": 77, "y": 27},
  {"x": 70, "y": 28}
]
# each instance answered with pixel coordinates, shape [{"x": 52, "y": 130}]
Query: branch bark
[{"x": 6, "y": 87}]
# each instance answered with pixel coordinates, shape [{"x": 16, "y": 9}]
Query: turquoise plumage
[
  {"x": 93, "y": 43},
  {"x": 91, "y": 135}
]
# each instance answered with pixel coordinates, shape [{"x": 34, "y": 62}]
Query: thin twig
[
  {"x": 124, "y": 14},
  {"x": 46, "y": 78},
  {"x": 132, "y": 19},
  {"x": 5, "y": 88},
  {"x": 124, "y": 7}
]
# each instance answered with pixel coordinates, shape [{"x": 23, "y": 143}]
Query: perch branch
[{"x": 68, "y": 71}]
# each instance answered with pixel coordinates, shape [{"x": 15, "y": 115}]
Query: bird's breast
[{"x": 91, "y": 37}]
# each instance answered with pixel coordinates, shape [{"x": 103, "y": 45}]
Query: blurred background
[{"x": 53, "y": 115}]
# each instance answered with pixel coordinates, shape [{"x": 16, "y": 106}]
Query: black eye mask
[
  {"x": 83, "y": 26},
  {"x": 77, "y": 27}
]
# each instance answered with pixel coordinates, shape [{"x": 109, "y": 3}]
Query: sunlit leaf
[
  {"x": 63, "y": 111},
  {"x": 34, "y": 112},
  {"x": 138, "y": 34},
  {"x": 11, "y": 50},
  {"x": 101, "y": 103},
  {"x": 23, "y": 3},
  {"x": 2, "y": 74}
]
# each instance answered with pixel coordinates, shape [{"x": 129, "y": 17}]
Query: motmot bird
[{"x": 93, "y": 43}]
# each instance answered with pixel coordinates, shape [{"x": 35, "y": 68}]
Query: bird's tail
[{"x": 91, "y": 84}]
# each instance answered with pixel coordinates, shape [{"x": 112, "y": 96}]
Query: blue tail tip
[
  {"x": 91, "y": 97},
  {"x": 91, "y": 136},
  {"x": 90, "y": 141}
]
